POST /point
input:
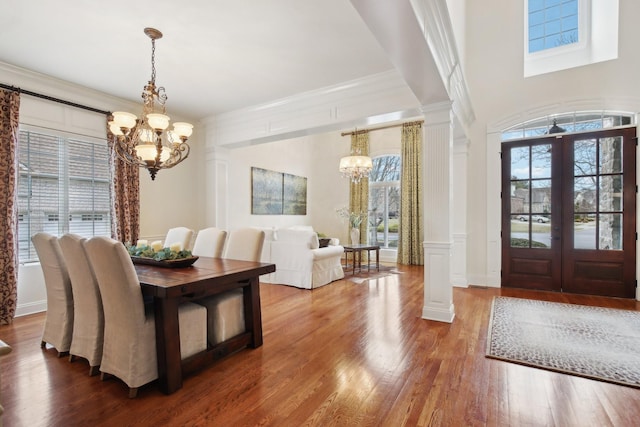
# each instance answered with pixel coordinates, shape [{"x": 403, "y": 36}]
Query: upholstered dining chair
[
  {"x": 225, "y": 311},
  {"x": 209, "y": 242},
  {"x": 88, "y": 317},
  {"x": 181, "y": 235},
  {"x": 58, "y": 325},
  {"x": 129, "y": 350}
]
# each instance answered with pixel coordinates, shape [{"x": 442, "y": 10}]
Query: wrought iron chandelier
[{"x": 146, "y": 142}]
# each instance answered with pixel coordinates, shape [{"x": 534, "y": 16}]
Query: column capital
[
  {"x": 437, "y": 114},
  {"x": 215, "y": 152}
]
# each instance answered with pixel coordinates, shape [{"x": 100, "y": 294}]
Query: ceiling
[{"x": 215, "y": 56}]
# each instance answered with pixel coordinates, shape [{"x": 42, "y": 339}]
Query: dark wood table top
[
  {"x": 360, "y": 246},
  {"x": 173, "y": 282}
]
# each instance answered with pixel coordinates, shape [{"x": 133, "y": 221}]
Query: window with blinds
[{"x": 63, "y": 187}]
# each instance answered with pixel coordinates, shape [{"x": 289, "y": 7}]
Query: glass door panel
[
  {"x": 598, "y": 193},
  {"x": 530, "y": 196}
]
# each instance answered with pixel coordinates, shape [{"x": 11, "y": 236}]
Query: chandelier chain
[{"x": 153, "y": 61}]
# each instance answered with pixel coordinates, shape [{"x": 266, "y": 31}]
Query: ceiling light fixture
[
  {"x": 146, "y": 142},
  {"x": 355, "y": 166},
  {"x": 555, "y": 128}
]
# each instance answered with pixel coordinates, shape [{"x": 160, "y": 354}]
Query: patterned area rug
[
  {"x": 364, "y": 276},
  {"x": 593, "y": 342}
]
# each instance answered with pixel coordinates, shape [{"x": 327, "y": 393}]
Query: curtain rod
[
  {"x": 51, "y": 98},
  {"x": 417, "y": 122}
]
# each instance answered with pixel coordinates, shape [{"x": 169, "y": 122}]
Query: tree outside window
[{"x": 384, "y": 201}]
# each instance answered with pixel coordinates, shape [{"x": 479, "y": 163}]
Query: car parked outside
[{"x": 534, "y": 218}]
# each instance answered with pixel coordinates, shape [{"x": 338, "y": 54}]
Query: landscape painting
[
  {"x": 295, "y": 195},
  {"x": 277, "y": 193},
  {"x": 266, "y": 192}
]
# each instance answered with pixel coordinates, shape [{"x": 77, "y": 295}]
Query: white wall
[
  {"x": 174, "y": 198},
  {"x": 315, "y": 157},
  {"x": 502, "y": 96}
]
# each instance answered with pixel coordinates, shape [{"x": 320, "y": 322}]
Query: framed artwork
[
  {"x": 277, "y": 193},
  {"x": 266, "y": 192},
  {"x": 294, "y": 195}
]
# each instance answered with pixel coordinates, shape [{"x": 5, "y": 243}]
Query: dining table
[{"x": 169, "y": 287}]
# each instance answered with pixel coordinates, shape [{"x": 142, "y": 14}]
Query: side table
[{"x": 356, "y": 256}]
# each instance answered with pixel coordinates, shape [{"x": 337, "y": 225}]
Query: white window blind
[{"x": 63, "y": 186}]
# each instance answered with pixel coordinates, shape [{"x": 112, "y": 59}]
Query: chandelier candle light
[
  {"x": 146, "y": 142},
  {"x": 355, "y": 166}
]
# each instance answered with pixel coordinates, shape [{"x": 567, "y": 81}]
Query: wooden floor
[{"x": 345, "y": 354}]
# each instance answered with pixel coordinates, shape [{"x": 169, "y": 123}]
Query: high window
[
  {"x": 552, "y": 23},
  {"x": 563, "y": 34},
  {"x": 63, "y": 186},
  {"x": 384, "y": 201}
]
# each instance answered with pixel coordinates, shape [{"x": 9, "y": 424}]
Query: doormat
[{"x": 592, "y": 342}]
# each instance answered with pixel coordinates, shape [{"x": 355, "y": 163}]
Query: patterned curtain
[
  {"x": 359, "y": 192},
  {"x": 410, "y": 233},
  {"x": 9, "y": 113},
  {"x": 125, "y": 196}
]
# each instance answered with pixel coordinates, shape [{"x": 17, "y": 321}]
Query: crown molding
[
  {"x": 435, "y": 22},
  {"x": 367, "y": 101},
  {"x": 57, "y": 88}
]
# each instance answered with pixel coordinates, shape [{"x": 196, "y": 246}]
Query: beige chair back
[
  {"x": 129, "y": 337},
  {"x": 181, "y": 235},
  {"x": 118, "y": 282},
  {"x": 58, "y": 326},
  {"x": 209, "y": 242},
  {"x": 88, "y": 320},
  {"x": 129, "y": 350},
  {"x": 225, "y": 311},
  {"x": 245, "y": 244}
]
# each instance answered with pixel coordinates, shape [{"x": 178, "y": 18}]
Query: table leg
[
  {"x": 353, "y": 260},
  {"x": 252, "y": 312},
  {"x": 378, "y": 258},
  {"x": 168, "y": 344}
]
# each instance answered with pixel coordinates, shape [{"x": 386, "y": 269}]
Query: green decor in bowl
[{"x": 165, "y": 257}]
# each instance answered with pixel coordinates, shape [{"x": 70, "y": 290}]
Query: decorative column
[
  {"x": 438, "y": 203},
  {"x": 216, "y": 187},
  {"x": 459, "y": 213}
]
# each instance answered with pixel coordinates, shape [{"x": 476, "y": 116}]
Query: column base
[
  {"x": 438, "y": 314},
  {"x": 438, "y": 291}
]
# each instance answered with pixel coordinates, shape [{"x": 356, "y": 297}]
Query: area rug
[
  {"x": 592, "y": 342},
  {"x": 365, "y": 275}
]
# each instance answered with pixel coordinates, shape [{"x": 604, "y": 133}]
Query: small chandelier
[
  {"x": 355, "y": 166},
  {"x": 146, "y": 142}
]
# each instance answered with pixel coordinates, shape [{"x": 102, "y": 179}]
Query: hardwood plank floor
[{"x": 345, "y": 354}]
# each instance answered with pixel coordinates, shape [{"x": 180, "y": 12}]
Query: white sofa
[{"x": 298, "y": 259}]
